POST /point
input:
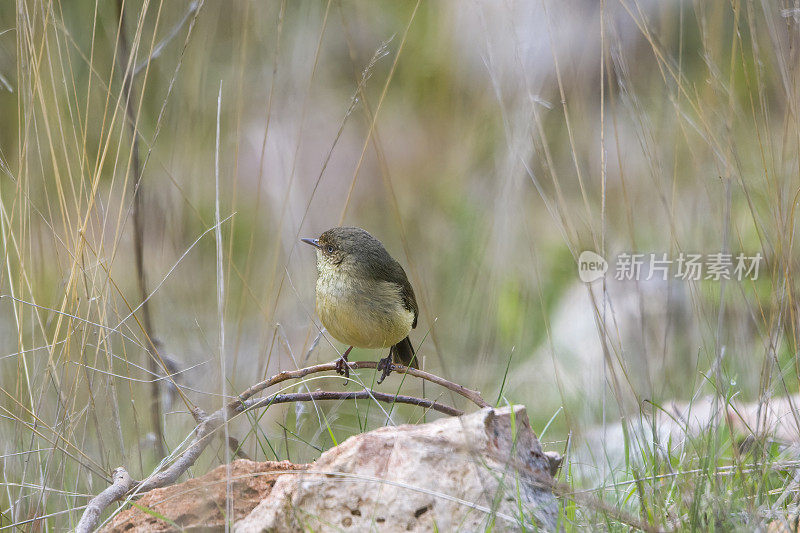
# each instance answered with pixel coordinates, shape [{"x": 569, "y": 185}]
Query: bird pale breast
[{"x": 358, "y": 316}]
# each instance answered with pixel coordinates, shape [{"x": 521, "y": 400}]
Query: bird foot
[
  {"x": 385, "y": 365},
  {"x": 342, "y": 368}
]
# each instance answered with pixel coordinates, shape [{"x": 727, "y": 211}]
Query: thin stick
[
  {"x": 121, "y": 485},
  {"x": 471, "y": 395},
  {"x": 138, "y": 234},
  {"x": 357, "y": 395}
]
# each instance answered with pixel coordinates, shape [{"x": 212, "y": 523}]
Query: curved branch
[
  {"x": 358, "y": 395},
  {"x": 121, "y": 485},
  {"x": 471, "y": 395},
  {"x": 202, "y": 438}
]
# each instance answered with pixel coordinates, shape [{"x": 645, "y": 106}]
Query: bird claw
[
  {"x": 342, "y": 368},
  {"x": 385, "y": 365}
]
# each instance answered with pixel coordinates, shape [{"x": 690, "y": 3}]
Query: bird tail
[{"x": 403, "y": 353}]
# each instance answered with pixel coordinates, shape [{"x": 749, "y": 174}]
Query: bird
[{"x": 363, "y": 297}]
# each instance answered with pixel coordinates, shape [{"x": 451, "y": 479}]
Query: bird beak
[{"x": 312, "y": 242}]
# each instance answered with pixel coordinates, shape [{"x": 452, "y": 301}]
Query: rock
[
  {"x": 788, "y": 524},
  {"x": 199, "y": 503},
  {"x": 485, "y": 470}
]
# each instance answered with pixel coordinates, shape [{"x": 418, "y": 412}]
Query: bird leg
[
  {"x": 385, "y": 364},
  {"x": 341, "y": 364}
]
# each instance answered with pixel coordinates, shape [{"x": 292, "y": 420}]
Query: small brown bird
[{"x": 364, "y": 298}]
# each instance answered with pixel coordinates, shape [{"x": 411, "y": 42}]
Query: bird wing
[
  {"x": 394, "y": 273},
  {"x": 409, "y": 300}
]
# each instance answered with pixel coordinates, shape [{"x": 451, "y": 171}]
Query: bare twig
[
  {"x": 203, "y": 434},
  {"x": 121, "y": 485},
  {"x": 236, "y": 448},
  {"x": 207, "y": 424},
  {"x": 138, "y": 232},
  {"x": 471, "y": 395},
  {"x": 357, "y": 395}
]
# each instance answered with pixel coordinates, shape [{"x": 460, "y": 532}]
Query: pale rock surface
[{"x": 468, "y": 473}]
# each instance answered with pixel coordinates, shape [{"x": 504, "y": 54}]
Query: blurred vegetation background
[{"x": 485, "y": 143}]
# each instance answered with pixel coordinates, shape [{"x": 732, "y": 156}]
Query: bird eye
[{"x": 330, "y": 249}]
